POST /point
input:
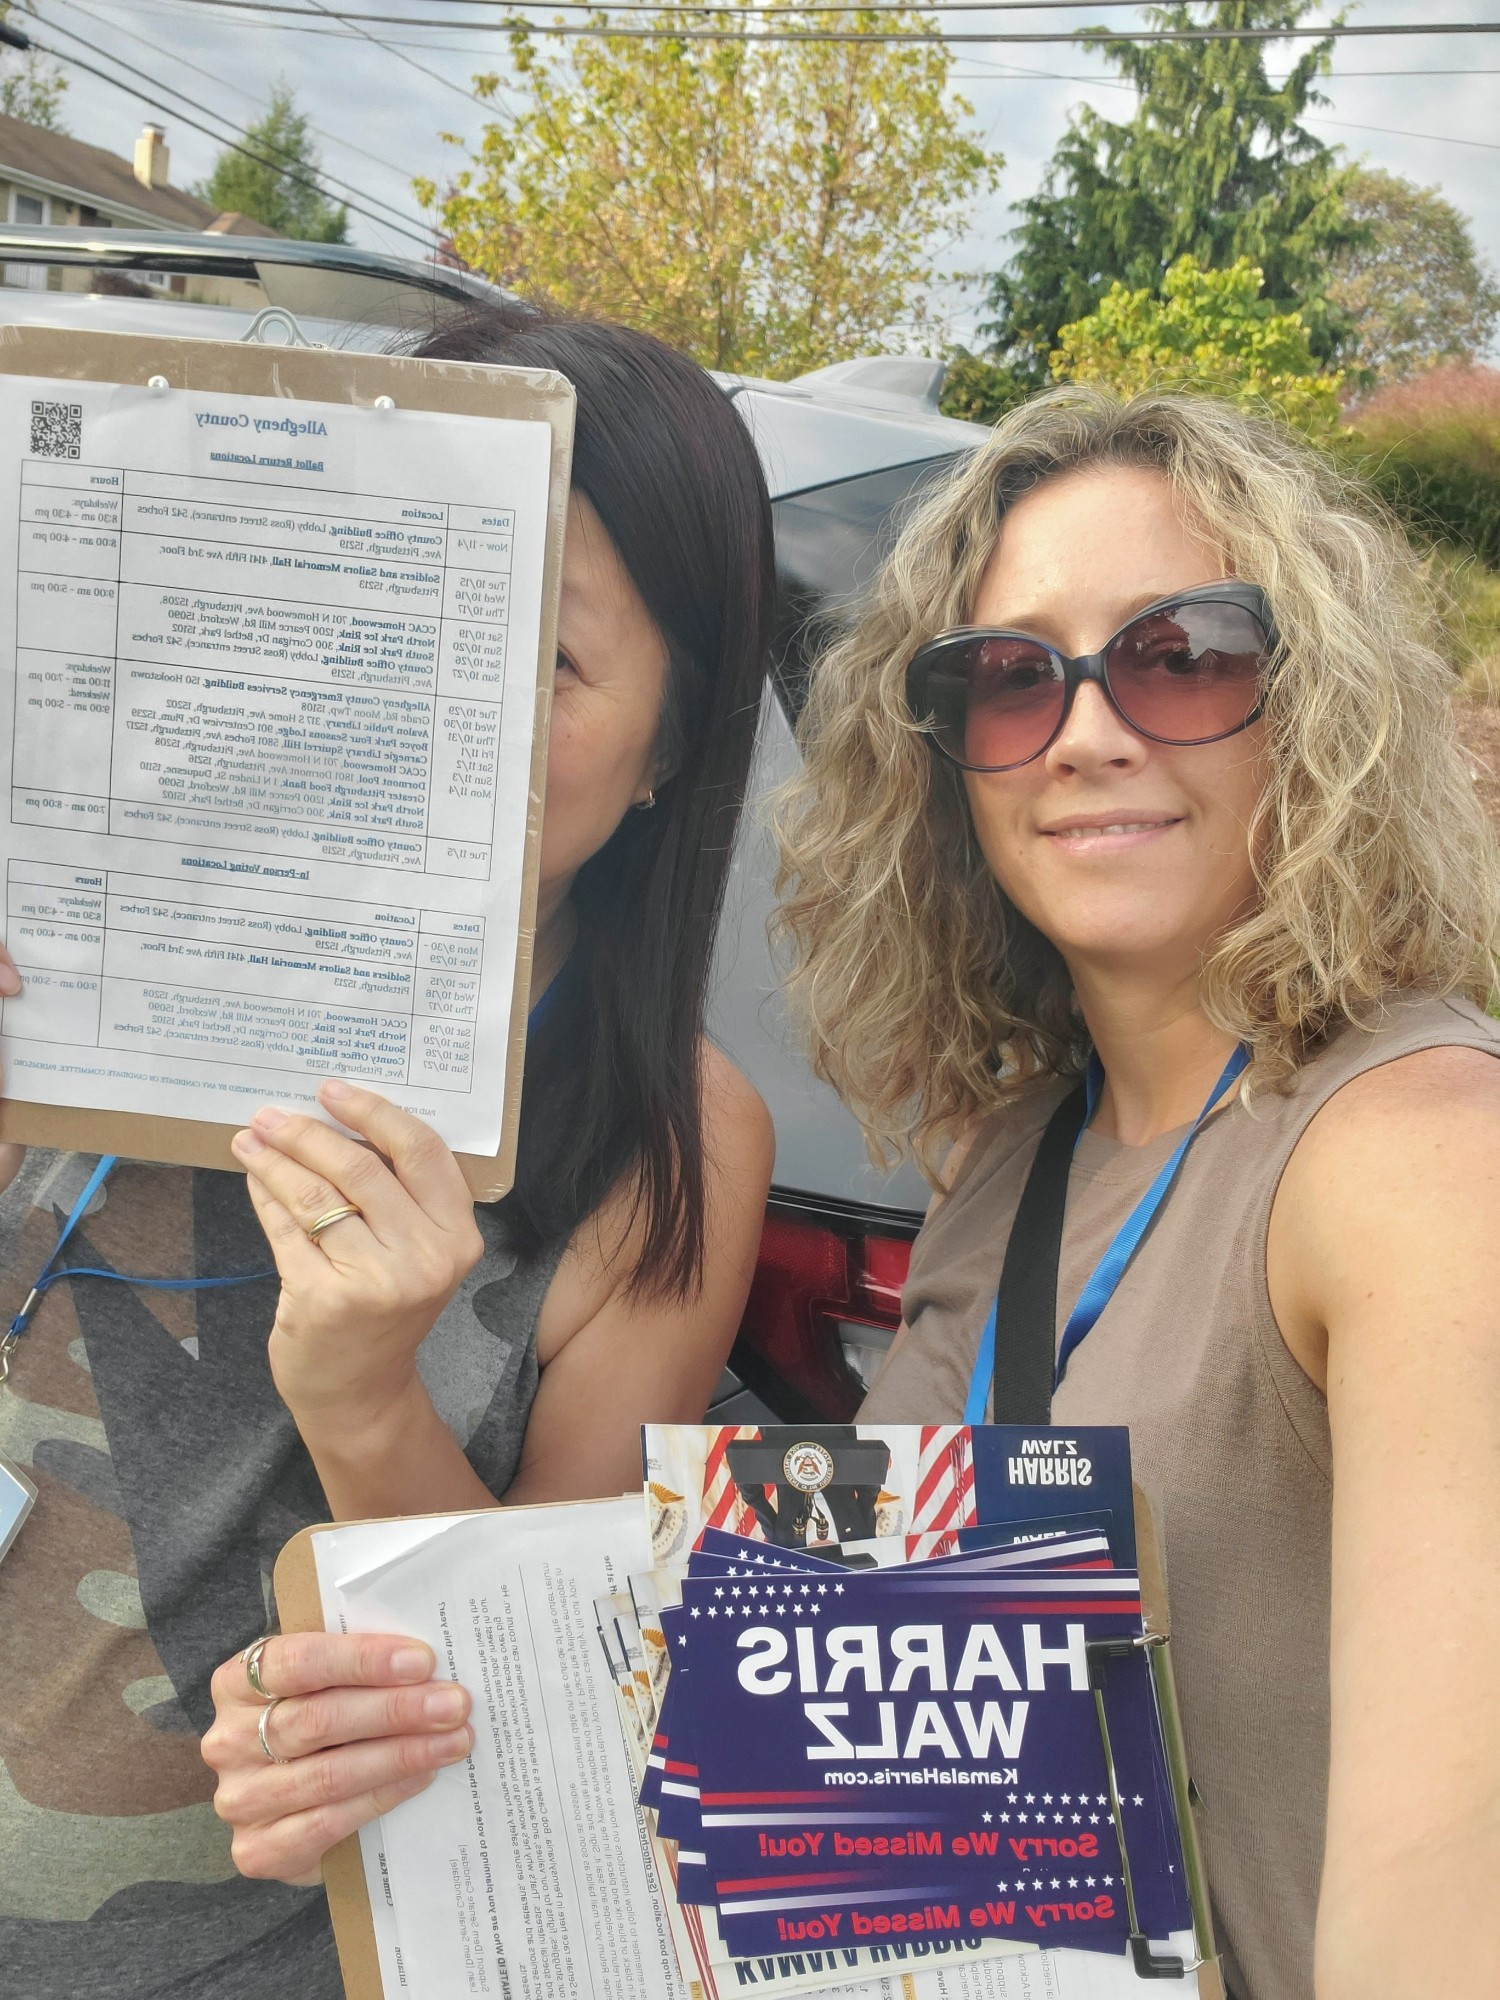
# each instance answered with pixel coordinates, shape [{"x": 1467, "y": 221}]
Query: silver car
[{"x": 844, "y": 450}]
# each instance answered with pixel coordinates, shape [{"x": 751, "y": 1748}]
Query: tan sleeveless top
[{"x": 1229, "y": 1439}]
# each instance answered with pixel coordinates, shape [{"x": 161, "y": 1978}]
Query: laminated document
[{"x": 270, "y": 727}]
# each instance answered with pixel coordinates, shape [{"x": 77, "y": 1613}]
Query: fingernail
[
  {"x": 449, "y": 1748},
  {"x": 445, "y": 1704},
  {"x": 245, "y": 1143},
  {"x": 336, "y": 1089},
  {"x": 269, "y": 1117},
  {"x": 412, "y": 1663},
  {"x": 10, "y": 979}
]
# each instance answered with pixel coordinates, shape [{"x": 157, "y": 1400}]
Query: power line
[
  {"x": 687, "y": 7},
  {"x": 59, "y": 55},
  {"x": 1145, "y": 36},
  {"x": 209, "y": 76},
  {"x": 259, "y": 149},
  {"x": 400, "y": 55},
  {"x": 1390, "y": 131},
  {"x": 266, "y": 149}
]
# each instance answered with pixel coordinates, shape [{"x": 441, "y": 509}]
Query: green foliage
[
  {"x": 31, "y": 87},
  {"x": 1470, "y": 598},
  {"x": 765, "y": 207},
  {"x": 978, "y": 390},
  {"x": 1414, "y": 291},
  {"x": 279, "y": 186},
  {"x": 1207, "y": 330},
  {"x": 1214, "y": 164},
  {"x": 1431, "y": 448}
]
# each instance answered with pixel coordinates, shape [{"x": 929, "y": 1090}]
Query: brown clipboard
[
  {"x": 300, "y": 1609},
  {"x": 302, "y": 374}
]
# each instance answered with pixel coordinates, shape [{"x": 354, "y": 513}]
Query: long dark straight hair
[{"x": 612, "y": 1068}]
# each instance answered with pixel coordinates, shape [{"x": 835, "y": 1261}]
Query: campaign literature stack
[
  {"x": 905, "y": 1704},
  {"x": 879, "y": 1712}
]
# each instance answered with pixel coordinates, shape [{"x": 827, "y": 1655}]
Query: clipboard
[
  {"x": 320, "y": 375},
  {"x": 300, "y": 1609}
]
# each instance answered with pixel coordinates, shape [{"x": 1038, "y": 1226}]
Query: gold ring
[
  {"x": 329, "y": 1218},
  {"x": 252, "y": 1657},
  {"x": 260, "y": 1730}
]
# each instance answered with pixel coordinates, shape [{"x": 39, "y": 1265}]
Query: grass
[{"x": 1470, "y": 598}]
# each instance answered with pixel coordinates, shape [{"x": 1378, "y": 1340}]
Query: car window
[{"x": 829, "y": 544}]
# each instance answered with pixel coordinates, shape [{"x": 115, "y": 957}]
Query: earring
[{"x": 644, "y": 805}]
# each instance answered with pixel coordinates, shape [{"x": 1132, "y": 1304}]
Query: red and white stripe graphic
[
  {"x": 722, "y": 1505},
  {"x": 945, "y": 1479}
]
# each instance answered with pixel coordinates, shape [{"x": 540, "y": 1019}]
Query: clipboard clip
[
  {"x": 1148, "y": 1964},
  {"x": 276, "y": 316}
]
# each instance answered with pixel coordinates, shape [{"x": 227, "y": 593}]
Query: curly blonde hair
[{"x": 926, "y": 997}]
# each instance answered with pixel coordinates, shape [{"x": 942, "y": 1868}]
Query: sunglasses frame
[{"x": 1091, "y": 667}]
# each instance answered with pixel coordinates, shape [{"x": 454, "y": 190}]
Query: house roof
[{"x": 73, "y": 168}]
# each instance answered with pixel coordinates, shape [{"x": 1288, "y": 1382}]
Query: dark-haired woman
[{"x": 422, "y": 1355}]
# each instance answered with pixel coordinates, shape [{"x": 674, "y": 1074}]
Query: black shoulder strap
[{"x": 1026, "y": 1302}]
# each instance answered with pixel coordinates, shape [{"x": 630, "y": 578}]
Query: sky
[{"x": 1422, "y": 105}]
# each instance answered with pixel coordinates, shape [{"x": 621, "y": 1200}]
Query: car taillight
[{"x": 823, "y": 1310}]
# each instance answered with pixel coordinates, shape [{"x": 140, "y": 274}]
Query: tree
[
  {"x": 979, "y": 390},
  {"x": 1415, "y": 292},
  {"x": 276, "y": 179},
  {"x": 1214, "y": 165},
  {"x": 767, "y": 206},
  {"x": 30, "y": 86},
  {"x": 1206, "y": 330}
]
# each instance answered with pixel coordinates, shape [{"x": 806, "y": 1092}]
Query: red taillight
[{"x": 816, "y": 1290}]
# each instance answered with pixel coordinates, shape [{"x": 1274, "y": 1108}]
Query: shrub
[
  {"x": 979, "y": 390},
  {"x": 1208, "y": 330},
  {"x": 1431, "y": 448}
]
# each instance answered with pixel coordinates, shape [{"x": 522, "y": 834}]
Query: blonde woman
[{"x": 1139, "y": 763}]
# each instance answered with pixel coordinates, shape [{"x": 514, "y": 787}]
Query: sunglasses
[{"x": 1189, "y": 669}]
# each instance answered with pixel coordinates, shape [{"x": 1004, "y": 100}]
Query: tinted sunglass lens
[
  {"x": 996, "y": 701},
  {"x": 1016, "y": 692},
  {"x": 1189, "y": 674}
]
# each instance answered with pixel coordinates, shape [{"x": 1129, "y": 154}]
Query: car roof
[
  {"x": 820, "y": 429},
  {"x": 837, "y": 423},
  {"x": 233, "y": 255}
]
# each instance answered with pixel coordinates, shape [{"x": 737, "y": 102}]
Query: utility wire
[
  {"x": 209, "y": 76},
  {"x": 1390, "y": 131},
  {"x": 687, "y": 7},
  {"x": 666, "y": 33},
  {"x": 267, "y": 151},
  {"x": 60, "y": 55},
  {"x": 400, "y": 55}
]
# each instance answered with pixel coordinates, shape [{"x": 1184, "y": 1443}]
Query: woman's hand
[
  {"x": 356, "y": 1305},
  {"x": 11, "y": 1156},
  {"x": 360, "y": 1725}
]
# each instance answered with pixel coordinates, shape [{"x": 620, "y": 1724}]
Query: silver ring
[
  {"x": 260, "y": 1729},
  {"x": 252, "y": 1658}
]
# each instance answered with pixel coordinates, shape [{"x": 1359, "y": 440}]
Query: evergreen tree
[
  {"x": 1214, "y": 164},
  {"x": 279, "y": 186}
]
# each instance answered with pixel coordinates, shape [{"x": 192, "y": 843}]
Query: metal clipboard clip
[
  {"x": 276, "y": 316},
  {"x": 1149, "y": 1964}
]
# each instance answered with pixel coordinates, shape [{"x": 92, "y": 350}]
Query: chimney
[{"x": 151, "y": 157}]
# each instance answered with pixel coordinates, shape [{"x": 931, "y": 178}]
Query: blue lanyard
[
  {"x": 49, "y": 1274},
  {"x": 1107, "y": 1273}
]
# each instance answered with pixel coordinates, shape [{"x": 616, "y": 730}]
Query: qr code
[{"x": 57, "y": 430}]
